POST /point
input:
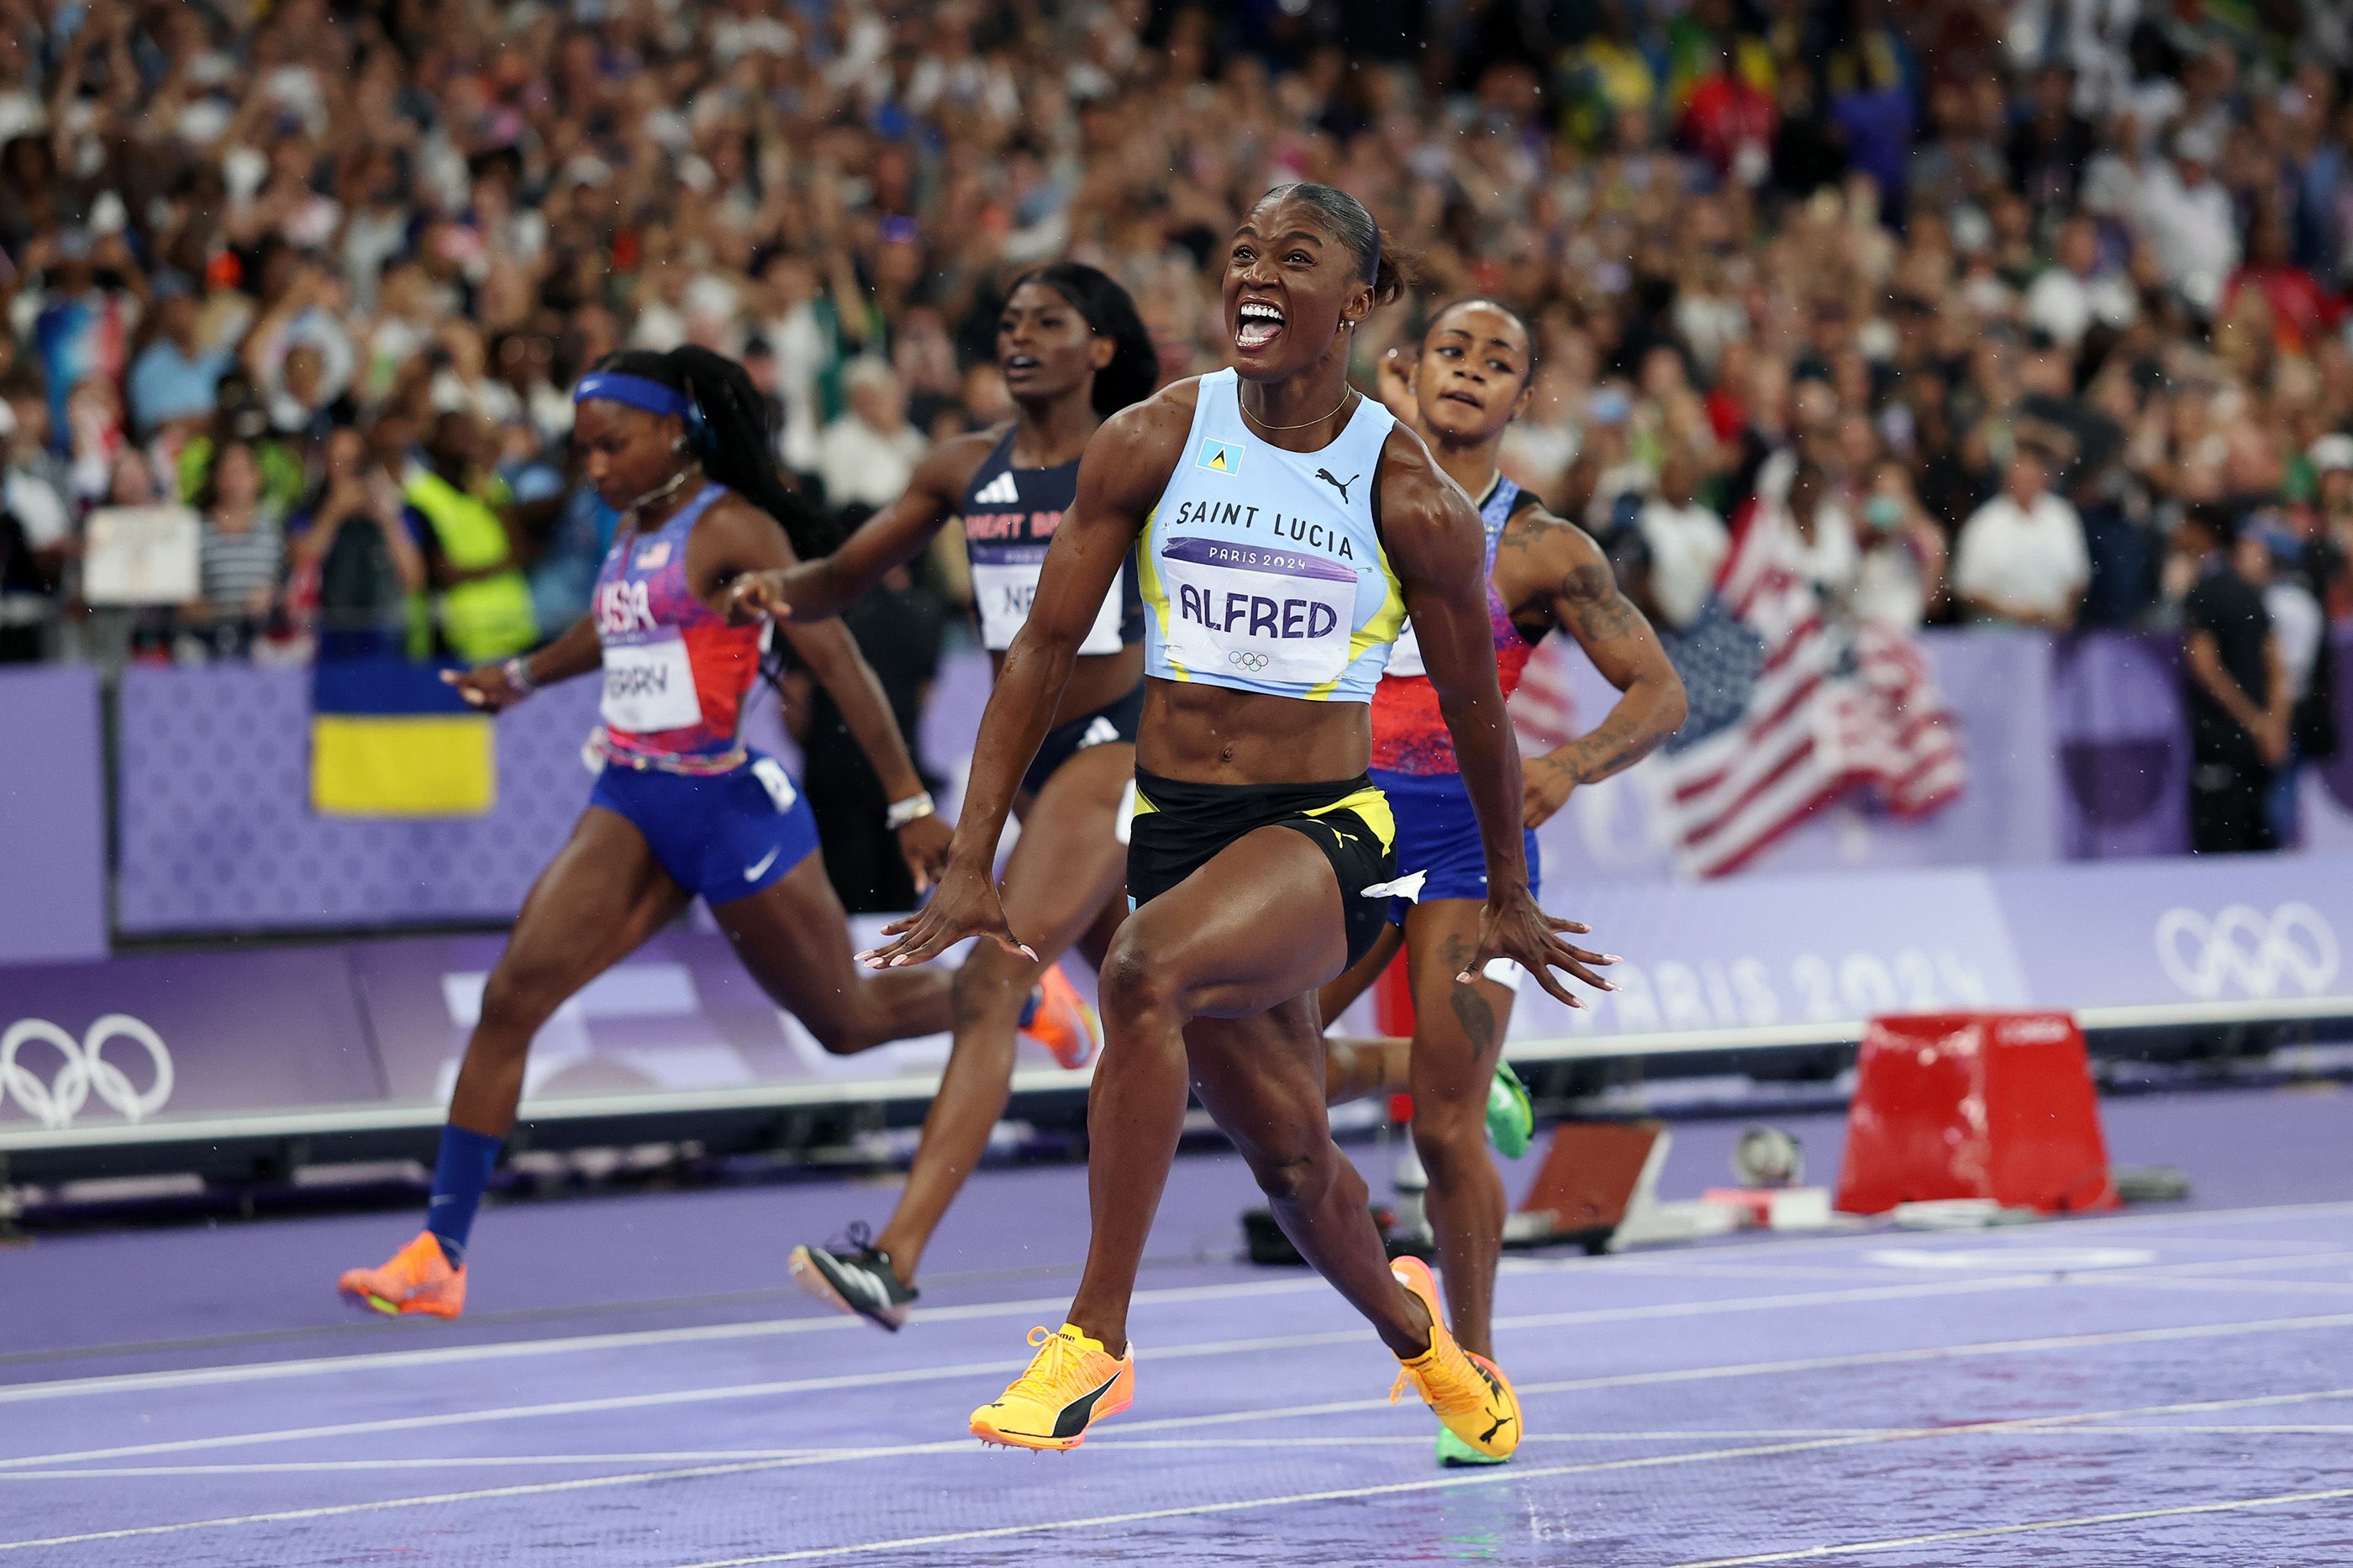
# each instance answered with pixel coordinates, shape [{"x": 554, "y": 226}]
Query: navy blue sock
[
  {"x": 459, "y": 1176},
  {"x": 1030, "y": 1008}
]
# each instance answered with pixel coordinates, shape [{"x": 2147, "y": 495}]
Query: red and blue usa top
[
  {"x": 676, "y": 674},
  {"x": 1409, "y": 734}
]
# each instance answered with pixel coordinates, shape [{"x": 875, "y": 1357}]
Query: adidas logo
[
  {"x": 1101, "y": 733},
  {"x": 999, "y": 491}
]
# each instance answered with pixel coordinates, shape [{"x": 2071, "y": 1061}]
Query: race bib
[
  {"x": 1004, "y": 585},
  {"x": 650, "y": 687},
  {"x": 1280, "y": 617}
]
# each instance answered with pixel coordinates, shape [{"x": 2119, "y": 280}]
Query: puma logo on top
[
  {"x": 1340, "y": 485},
  {"x": 999, "y": 491}
]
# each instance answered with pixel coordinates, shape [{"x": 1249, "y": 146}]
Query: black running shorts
[{"x": 1180, "y": 826}]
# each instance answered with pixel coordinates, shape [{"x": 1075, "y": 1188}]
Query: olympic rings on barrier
[
  {"x": 84, "y": 1072},
  {"x": 2293, "y": 946}
]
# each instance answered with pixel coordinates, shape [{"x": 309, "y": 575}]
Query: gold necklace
[{"x": 1345, "y": 393}]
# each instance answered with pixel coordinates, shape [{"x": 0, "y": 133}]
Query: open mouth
[
  {"x": 1462, "y": 397},
  {"x": 1256, "y": 324},
  {"x": 1015, "y": 363}
]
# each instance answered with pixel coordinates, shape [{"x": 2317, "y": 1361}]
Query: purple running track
[{"x": 634, "y": 1384}]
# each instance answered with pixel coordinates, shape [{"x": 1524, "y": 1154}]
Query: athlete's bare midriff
[{"x": 1212, "y": 734}]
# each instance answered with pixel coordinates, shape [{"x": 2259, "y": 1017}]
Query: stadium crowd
[{"x": 1989, "y": 296}]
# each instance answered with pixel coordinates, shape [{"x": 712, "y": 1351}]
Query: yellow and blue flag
[{"x": 389, "y": 738}]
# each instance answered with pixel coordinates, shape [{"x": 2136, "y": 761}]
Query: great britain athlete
[
  {"x": 1283, "y": 526},
  {"x": 1469, "y": 381},
  {"x": 1073, "y": 352},
  {"x": 679, "y": 443}
]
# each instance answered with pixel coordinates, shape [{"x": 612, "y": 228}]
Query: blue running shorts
[{"x": 722, "y": 836}]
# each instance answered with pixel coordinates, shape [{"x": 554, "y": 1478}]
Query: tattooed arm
[{"x": 1552, "y": 570}]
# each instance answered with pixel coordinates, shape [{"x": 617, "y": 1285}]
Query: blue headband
[{"x": 636, "y": 391}]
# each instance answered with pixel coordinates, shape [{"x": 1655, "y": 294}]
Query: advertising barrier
[{"x": 368, "y": 1033}]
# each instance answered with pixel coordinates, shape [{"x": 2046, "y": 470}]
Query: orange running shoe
[
  {"x": 1064, "y": 1024},
  {"x": 1072, "y": 1383},
  {"x": 1469, "y": 1396},
  {"x": 418, "y": 1279}
]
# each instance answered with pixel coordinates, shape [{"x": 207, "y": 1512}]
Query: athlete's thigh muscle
[
  {"x": 794, "y": 936},
  {"x": 1258, "y": 925},
  {"x": 1069, "y": 861},
  {"x": 602, "y": 896},
  {"x": 1262, "y": 1076}
]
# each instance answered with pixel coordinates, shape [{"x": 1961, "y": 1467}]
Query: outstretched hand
[
  {"x": 1513, "y": 926},
  {"x": 757, "y": 595},
  {"x": 487, "y": 687},
  {"x": 965, "y": 905}
]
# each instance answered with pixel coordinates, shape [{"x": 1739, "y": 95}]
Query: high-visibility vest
[{"x": 489, "y": 617}]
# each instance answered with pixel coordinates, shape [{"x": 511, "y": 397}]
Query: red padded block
[{"x": 1974, "y": 1105}]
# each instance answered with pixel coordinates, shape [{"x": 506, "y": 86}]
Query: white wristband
[{"x": 914, "y": 808}]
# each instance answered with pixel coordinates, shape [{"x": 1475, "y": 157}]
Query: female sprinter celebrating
[
  {"x": 1470, "y": 383},
  {"x": 1073, "y": 352},
  {"x": 679, "y": 443},
  {"x": 1282, "y": 529}
]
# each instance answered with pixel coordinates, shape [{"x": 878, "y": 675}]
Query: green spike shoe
[
  {"x": 1510, "y": 1120},
  {"x": 1453, "y": 1453}
]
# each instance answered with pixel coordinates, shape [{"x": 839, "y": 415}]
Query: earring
[{"x": 679, "y": 445}]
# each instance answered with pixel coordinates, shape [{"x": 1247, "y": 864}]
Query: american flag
[{"x": 1791, "y": 710}]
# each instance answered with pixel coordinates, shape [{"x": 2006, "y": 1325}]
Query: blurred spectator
[
  {"x": 1685, "y": 544},
  {"x": 866, "y": 456},
  {"x": 1901, "y": 572},
  {"x": 2185, "y": 214},
  {"x": 2236, "y": 687},
  {"x": 352, "y": 559},
  {"x": 482, "y": 603},
  {"x": 34, "y": 539},
  {"x": 2071, "y": 294},
  {"x": 175, "y": 378},
  {"x": 2020, "y": 560},
  {"x": 244, "y": 558}
]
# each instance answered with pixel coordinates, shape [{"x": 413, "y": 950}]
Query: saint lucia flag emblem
[{"x": 1220, "y": 456}]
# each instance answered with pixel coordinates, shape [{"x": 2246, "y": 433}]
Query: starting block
[{"x": 1995, "y": 1106}]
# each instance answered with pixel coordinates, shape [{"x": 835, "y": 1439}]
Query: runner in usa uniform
[
  {"x": 1073, "y": 350},
  {"x": 1470, "y": 382},
  {"x": 1282, "y": 528},
  {"x": 678, "y": 443}
]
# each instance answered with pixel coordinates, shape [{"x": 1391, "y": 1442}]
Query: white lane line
[
  {"x": 1591, "y": 1314},
  {"x": 981, "y": 1369},
  {"x": 965, "y": 1445},
  {"x": 507, "y": 1349},
  {"x": 2082, "y": 1522},
  {"x": 2225, "y": 1287},
  {"x": 1693, "y": 1262},
  {"x": 492, "y": 1461},
  {"x": 1479, "y": 1478},
  {"x": 1114, "y": 1440}
]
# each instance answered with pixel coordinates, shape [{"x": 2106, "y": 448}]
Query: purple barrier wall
[
  {"x": 2075, "y": 750},
  {"x": 357, "y": 1024},
  {"x": 52, "y": 816}
]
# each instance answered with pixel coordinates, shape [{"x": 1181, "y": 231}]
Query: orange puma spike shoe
[
  {"x": 418, "y": 1279},
  {"x": 1072, "y": 1383},
  {"x": 1469, "y": 1397},
  {"x": 1064, "y": 1021}
]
